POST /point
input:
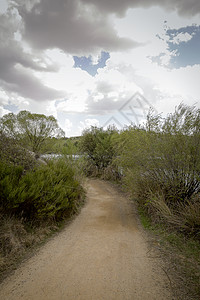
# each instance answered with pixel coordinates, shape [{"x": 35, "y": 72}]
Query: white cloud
[
  {"x": 3, "y": 111},
  {"x": 88, "y": 123},
  {"x": 111, "y": 88},
  {"x": 160, "y": 85},
  {"x": 96, "y": 58},
  {"x": 67, "y": 127},
  {"x": 85, "y": 93},
  {"x": 182, "y": 37},
  {"x": 75, "y": 83},
  {"x": 148, "y": 26},
  {"x": 3, "y": 6},
  {"x": 4, "y": 98},
  {"x": 71, "y": 105},
  {"x": 183, "y": 82}
]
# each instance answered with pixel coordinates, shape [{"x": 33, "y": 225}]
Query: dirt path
[{"x": 102, "y": 255}]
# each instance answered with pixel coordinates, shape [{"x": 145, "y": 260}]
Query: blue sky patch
[
  {"x": 86, "y": 63},
  {"x": 187, "y": 52},
  {"x": 184, "y": 46},
  {"x": 12, "y": 107}
]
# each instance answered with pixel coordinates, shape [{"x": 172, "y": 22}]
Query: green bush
[
  {"x": 161, "y": 166},
  {"x": 49, "y": 191},
  {"x": 9, "y": 180},
  {"x": 96, "y": 144},
  {"x": 11, "y": 153}
]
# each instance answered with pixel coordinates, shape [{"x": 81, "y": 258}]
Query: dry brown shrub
[
  {"x": 184, "y": 217},
  {"x": 16, "y": 239},
  {"x": 190, "y": 213}
]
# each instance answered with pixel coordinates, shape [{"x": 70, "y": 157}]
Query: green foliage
[
  {"x": 13, "y": 154},
  {"x": 9, "y": 179},
  {"x": 70, "y": 147},
  {"x": 161, "y": 166},
  {"x": 30, "y": 129},
  {"x": 167, "y": 158},
  {"x": 65, "y": 145},
  {"x": 50, "y": 191},
  {"x": 53, "y": 146},
  {"x": 97, "y": 146}
]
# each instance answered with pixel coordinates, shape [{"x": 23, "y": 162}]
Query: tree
[
  {"x": 96, "y": 144},
  {"x": 30, "y": 129}
]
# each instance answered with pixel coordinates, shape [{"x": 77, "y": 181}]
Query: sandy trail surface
[{"x": 101, "y": 255}]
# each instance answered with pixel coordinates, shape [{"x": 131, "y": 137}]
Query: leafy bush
[
  {"x": 13, "y": 154},
  {"x": 96, "y": 144},
  {"x": 161, "y": 166},
  {"x": 9, "y": 179},
  {"x": 50, "y": 191}
]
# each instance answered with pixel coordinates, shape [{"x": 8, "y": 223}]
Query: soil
[{"x": 102, "y": 255}]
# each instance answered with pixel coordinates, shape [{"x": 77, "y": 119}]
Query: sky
[{"x": 90, "y": 62}]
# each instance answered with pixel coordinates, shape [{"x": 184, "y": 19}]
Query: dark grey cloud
[
  {"x": 17, "y": 66},
  {"x": 75, "y": 26},
  {"x": 26, "y": 85},
  {"x": 119, "y": 7},
  {"x": 71, "y": 26},
  {"x": 106, "y": 105}
]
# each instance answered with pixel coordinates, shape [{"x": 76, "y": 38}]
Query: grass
[
  {"x": 145, "y": 220},
  {"x": 181, "y": 255}
]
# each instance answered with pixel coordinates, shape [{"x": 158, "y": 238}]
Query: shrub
[
  {"x": 190, "y": 213},
  {"x": 18, "y": 237},
  {"x": 50, "y": 191},
  {"x": 161, "y": 166},
  {"x": 9, "y": 179},
  {"x": 11, "y": 153},
  {"x": 96, "y": 144}
]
